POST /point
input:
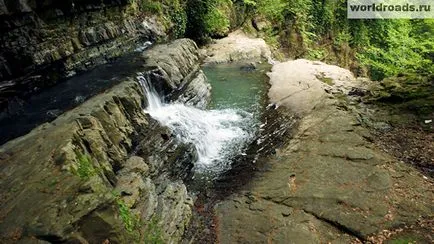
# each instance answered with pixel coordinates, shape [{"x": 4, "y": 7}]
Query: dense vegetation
[{"x": 320, "y": 30}]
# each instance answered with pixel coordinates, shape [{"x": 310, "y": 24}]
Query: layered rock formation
[
  {"x": 44, "y": 41},
  {"x": 105, "y": 171},
  {"x": 184, "y": 81}
]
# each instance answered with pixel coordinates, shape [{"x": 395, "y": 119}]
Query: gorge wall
[
  {"x": 43, "y": 41},
  {"x": 106, "y": 171}
]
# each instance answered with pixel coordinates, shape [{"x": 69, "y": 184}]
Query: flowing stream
[
  {"x": 222, "y": 131},
  {"x": 26, "y": 113}
]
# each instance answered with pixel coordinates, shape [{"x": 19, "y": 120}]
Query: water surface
[
  {"x": 226, "y": 128},
  {"x": 235, "y": 87},
  {"x": 27, "y": 113}
]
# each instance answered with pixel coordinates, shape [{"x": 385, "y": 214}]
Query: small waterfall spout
[
  {"x": 217, "y": 135},
  {"x": 154, "y": 101}
]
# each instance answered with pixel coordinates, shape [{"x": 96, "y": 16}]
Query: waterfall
[
  {"x": 154, "y": 100},
  {"x": 218, "y": 135}
]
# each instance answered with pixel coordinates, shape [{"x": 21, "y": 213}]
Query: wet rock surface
[
  {"x": 45, "y": 41},
  {"x": 104, "y": 171},
  {"x": 330, "y": 183},
  {"x": 24, "y": 114},
  {"x": 186, "y": 84},
  {"x": 183, "y": 81}
]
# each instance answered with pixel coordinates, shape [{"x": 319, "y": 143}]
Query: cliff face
[
  {"x": 106, "y": 171},
  {"x": 43, "y": 41}
]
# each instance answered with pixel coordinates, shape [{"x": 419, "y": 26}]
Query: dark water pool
[{"x": 26, "y": 114}]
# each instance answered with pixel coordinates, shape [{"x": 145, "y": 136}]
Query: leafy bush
[
  {"x": 273, "y": 10},
  {"x": 216, "y": 21},
  {"x": 179, "y": 19},
  {"x": 315, "y": 54},
  {"x": 399, "y": 51},
  {"x": 207, "y": 18},
  {"x": 151, "y": 6},
  {"x": 196, "y": 14}
]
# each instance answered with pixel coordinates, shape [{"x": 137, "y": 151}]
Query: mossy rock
[
  {"x": 329, "y": 81},
  {"x": 410, "y": 92}
]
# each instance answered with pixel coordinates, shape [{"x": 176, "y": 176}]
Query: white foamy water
[{"x": 217, "y": 135}]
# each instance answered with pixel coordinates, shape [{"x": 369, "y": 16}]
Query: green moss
[
  {"x": 409, "y": 92},
  {"x": 342, "y": 100},
  {"x": 406, "y": 240},
  {"x": 131, "y": 222},
  {"x": 327, "y": 80},
  {"x": 14, "y": 189},
  {"x": 53, "y": 182},
  {"x": 85, "y": 167},
  {"x": 153, "y": 233},
  {"x": 151, "y": 7}
]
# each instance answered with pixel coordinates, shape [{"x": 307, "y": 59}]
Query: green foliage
[
  {"x": 85, "y": 167},
  {"x": 249, "y": 2},
  {"x": 131, "y": 222},
  {"x": 151, "y": 6},
  {"x": 153, "y": 233},
  {"x": 342, "y": 38},
  {"x": 175, "y": 10},
  {"x": 315, "y": 54},
  {"x": 329, "y": 81},
  {"x": 197, "y": 11},
  {"x": 216, "y": 22},
  {"x": 273, "y": 10},
  {"x": 322, "y": 15},
  {"x": 171, "y": 12},
  {"x": 399, "y": 51},
  {"x": 179, "y": 19},
  {"x": 207, "y": 18},
  {"x": 407, "y": 240},
  {"x": 300, "y": 9},
  {"x": 359, "y": 32},
  {"x": 271, "y": 37}
]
